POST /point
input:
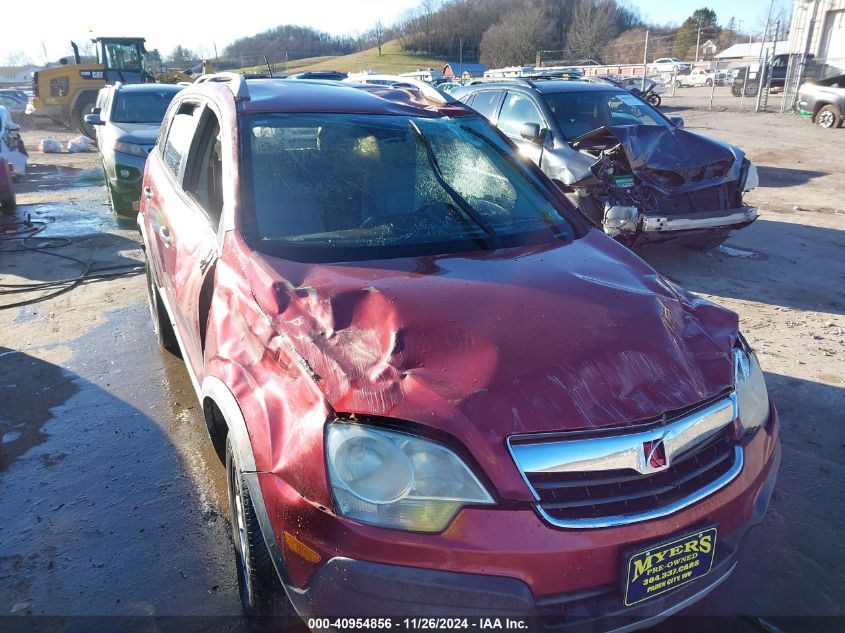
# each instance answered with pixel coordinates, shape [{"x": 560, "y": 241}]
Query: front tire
[
  {"x": 709, "y": 83},
  {"x": 9, "y": 203},
  {"x": 120, "y": 203},
  {"x": 654, "y": 100},
  {"x": 827, "y": 117},
  {"x": 751, "y": 88},
  {"x": 262, "y": 595}
]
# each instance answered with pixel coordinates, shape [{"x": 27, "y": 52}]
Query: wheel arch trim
[{"x": 216, "y": 390}]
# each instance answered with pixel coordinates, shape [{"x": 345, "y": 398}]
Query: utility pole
[
  {"x": 461, "y": 57},
  {"x": 697, "y": 43},
  {"x": 645, "y": 59},
  {"x": 766, "y": 32}
]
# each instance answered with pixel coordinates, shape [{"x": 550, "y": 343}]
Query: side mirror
[
  {"x": 93, "y": 119},
  {"x": 13, "y": 127},
  {"x": 676, "y": 121},
  {"x": 532, "y": 132}
]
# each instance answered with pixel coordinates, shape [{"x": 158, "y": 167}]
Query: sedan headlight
[
  {"x": 751, "y": 180},
  {"x": 396, "y": 480},
  {"x": 130, "y": 148},
  {"x": 751, "y": 393}
]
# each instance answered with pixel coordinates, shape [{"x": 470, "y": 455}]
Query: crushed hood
[
  {"x": 669, "y": 159},
  {"x": 575, "y": 336}
]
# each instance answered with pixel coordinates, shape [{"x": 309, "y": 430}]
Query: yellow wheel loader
[{"x": 67, "y": 92}]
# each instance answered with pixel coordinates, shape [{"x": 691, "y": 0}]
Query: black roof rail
[
  {"x": 235, "y": 81},
  {"x": 525, "y": 81}
]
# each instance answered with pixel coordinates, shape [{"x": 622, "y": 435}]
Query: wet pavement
[{"x": 113, "y": 502}]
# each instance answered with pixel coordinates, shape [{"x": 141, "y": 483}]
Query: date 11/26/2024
[{"x": 419, "y": 623}]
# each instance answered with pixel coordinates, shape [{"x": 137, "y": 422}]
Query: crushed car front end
[{"x": 650, "y": 183}]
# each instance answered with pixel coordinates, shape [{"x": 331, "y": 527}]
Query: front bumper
[
  {"x": 702, "y": 220},
  {"x": 506, "y": 562},
  {"x": 353, "y": 588},
  {"x": 125, "y": 173}
]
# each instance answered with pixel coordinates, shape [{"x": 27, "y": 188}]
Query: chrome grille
[{"x": 609, "y": 480}]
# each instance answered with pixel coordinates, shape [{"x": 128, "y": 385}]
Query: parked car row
[{"x": 436, "y": 385}]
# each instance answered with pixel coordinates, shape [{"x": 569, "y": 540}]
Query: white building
[
  {"x": 510, "y": 71},
  {"x": 818, "y": 27},
  {"x": 425, "y": 74},
  {"x": 753, "y": 51},
  {"x": 16, "y": 75}
]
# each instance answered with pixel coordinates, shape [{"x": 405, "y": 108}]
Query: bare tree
[
  {"x": 517, "y": 37},
  {"x": 18, "y": 58},
  {"x": 594, "y": 24}
]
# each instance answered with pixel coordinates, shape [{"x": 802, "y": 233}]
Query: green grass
[{"x": 393, "y": 60}]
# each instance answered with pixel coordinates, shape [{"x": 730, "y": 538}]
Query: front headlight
[
  {"x": 751, "y": 180},
  {"x": 396, "y": 480},
  {"x": 751, "y": 393},
  {"x": 129, "y": 148}
]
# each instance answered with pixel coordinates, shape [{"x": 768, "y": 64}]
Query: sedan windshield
[
  {"x": 330, "y": 187},
  {"x": 577, "y": 113},
  {"x": 142, "y": 107}
]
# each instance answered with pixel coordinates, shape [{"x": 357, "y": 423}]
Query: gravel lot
[{"x": 113, "y": 502}]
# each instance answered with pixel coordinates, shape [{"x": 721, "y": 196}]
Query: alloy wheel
[{"x": 826, "y": 120}]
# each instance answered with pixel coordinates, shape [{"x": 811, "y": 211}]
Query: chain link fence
[{"x": 768, "y": 85}]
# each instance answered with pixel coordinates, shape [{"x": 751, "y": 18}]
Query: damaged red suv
[{"x": 436, "y": 388}]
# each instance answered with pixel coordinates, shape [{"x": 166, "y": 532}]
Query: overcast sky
[{"x": 165, "y": 23}]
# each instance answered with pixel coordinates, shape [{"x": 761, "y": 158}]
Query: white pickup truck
[{"x": 700, "y": 77}]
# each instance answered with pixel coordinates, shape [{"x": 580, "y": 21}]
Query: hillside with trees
[
  {"x": 496, "y": 32},
  {"x": 511, "y": 32}
]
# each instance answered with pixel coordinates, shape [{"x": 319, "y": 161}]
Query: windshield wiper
[
  {"x": 463, "y": 205},
  {"x": 555, "y": 227}
]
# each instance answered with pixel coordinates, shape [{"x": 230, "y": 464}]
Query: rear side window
[
  {"x": 517, "y": 111},
  {"x": 179, "y": 137},
  {"x": 205, "y": 182},
  {"x": 486, "y": 103}
]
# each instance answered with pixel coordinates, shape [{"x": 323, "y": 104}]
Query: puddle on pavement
[
  {"x": 116, "y": 502},
  {"x": 113, "y": 500},
  {"x": 157, "y": 383},
  {"x": 40, "y": 177},
  {"x": 71, "y": 200}
]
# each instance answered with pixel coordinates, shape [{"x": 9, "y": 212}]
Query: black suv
[{"x": 778, "y": 68}]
